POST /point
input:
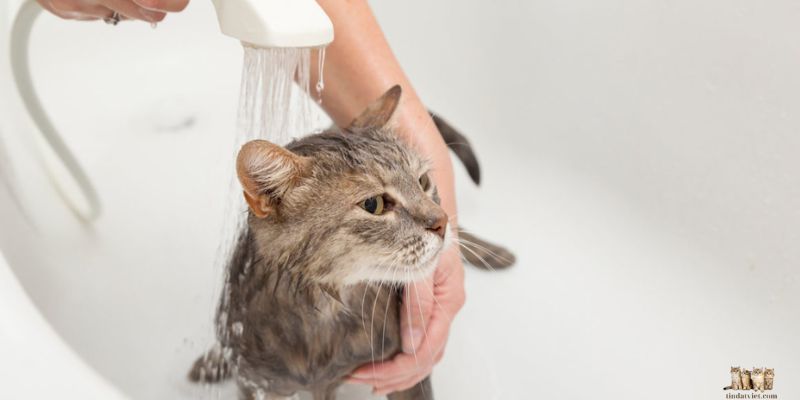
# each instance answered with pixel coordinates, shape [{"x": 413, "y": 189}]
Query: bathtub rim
[{"x": 29, "y": 343}]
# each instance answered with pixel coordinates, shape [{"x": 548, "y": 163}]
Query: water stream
[
  {"x": 274, "y": 105},
  {"x": 274, "y": 102}
]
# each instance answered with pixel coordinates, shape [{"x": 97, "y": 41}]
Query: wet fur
[
  {"x": 302, "y": 336},
  {"x": 299, "y": 311}
]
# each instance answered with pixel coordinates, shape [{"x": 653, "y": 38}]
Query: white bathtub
[{"x": 640, "y": 157}]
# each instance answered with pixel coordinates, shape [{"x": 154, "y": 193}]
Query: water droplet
[
  {"x": 237, "y": 328},
  {"x": 320, "y": 79}
]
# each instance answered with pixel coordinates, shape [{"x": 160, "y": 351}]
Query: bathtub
[{"x": 640, "y": 158}]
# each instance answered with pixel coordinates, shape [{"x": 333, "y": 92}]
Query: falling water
[
  {"x": 274, "y": 105},
  {"x": 320, "y": 80},
  {"x": 274, "y": 102}
]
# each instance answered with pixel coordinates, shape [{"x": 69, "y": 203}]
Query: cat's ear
[
  {"x": 379, "y": 113},
  {"x": 266, "y": 171}
]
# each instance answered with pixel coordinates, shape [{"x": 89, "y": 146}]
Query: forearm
[{"x": 359, "y": 67}]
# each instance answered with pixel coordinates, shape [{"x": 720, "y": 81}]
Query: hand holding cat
[
  {"x": 145, "y": 10},
  {"x": 430, "y": 307}
]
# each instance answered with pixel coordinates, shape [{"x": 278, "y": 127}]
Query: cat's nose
[{"x": 438, "y": 224}]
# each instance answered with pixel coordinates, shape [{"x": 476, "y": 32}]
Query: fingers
[
  {"x": 404, "y": 370},
  {"x": 163, "y": 5},
  {"x": 130, "y": 10},
  {"x": 404, "y": 364},
  {"x": 449, "y": 283},
  {"x": 78, "y": 10},
  {"x": 97, "y": 12},
  {"x": 409, "y": 378},
  {"x": 429, "y": 308},
  {"x": 415, "y": 313},
  {"x": 149, "y": 10}
]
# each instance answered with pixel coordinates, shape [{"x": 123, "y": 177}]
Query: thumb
[{"x": 415, "y": 314}]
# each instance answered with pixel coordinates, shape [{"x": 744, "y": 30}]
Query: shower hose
[{"x": 65, "y": 171}]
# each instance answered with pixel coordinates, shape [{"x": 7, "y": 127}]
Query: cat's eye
[
  {"x": 425, "y": 182},
  {"x": 373, "y": 205}
]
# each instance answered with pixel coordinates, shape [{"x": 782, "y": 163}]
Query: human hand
[
  {"x": 426, "y": 314},
  {"x": 145, "y": 10}
]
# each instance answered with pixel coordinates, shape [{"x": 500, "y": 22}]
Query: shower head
[{"x": 275, "y": 23}]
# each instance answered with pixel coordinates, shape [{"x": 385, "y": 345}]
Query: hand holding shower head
[{"x": 275, "y": 23}]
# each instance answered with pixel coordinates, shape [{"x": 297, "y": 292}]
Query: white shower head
[{"x": 275, "y": 23}]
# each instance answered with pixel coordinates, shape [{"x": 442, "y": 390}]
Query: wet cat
[{"x": 338, "y": 222}]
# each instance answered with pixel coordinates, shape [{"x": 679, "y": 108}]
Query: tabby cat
[
  {"x": 338, "y": 222},
  {"x": 769, "y": 378}
]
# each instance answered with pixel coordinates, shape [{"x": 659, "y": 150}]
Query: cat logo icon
[{"x": 757, "y": 380}]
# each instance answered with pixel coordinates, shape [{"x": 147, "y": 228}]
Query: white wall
[{"x": 679, "y": 115}]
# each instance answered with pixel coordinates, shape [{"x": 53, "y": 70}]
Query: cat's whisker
[
  {"x": 393, "y": 268},
  {"x": 482, "y": 260},
  {"x": 372, "y": 325},
  {"x": 425, "y": 331},
  {"x": 435, "y": 300},
  {"x": 424, "y": 328},
  {"x": 408, "y": 314},
  {"x": 363, "y": 315},
  {"x": 484, "y": 248}
]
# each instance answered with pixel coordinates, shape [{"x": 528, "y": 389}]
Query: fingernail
[
  {"x": 415, "y": 342},
  {"x": 152, "y": 16}
]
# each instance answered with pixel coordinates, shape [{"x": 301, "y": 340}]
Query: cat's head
[
  {"x": 746, "y": 372},
  {"x": 770, "y": 372},
  {"x": 735, "y": 369},
  {"x": 758, "y": 371},
  {"x": 346, "y": 207}
]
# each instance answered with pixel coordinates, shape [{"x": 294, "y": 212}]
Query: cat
[
  {"x": 769, "y": 378},
  {"x": 337, "y": 223},
  {"x": 757, "y": 377},
  {"x": 746, "y": 383},
  {"x": 736, "y": 379}
]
